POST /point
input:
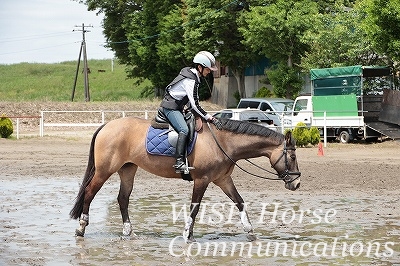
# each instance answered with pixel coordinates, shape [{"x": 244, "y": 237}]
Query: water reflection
[{"x": 292, "y": 230}]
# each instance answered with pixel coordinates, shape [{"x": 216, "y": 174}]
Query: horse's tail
[{"x": 76, "y": 211}]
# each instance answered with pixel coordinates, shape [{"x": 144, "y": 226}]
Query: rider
[{"x": 183, "y": 90}]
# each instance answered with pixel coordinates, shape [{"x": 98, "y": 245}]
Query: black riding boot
[{"x": 180, "y": 153}]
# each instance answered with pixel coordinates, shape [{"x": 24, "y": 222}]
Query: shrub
[
  {"x": 264, "y": 93},
  {"x": 315, "y": 137},
  {"x": 301, "y": 134},
  {"x": 6, "y": 127}
]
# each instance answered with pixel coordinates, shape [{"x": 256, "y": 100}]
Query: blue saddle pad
[{"x": 157, "y": 142}]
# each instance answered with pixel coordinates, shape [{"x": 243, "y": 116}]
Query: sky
[{"x": 42, "y": 31}]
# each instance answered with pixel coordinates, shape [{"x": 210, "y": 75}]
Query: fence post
[
  {"x": 41, "y": 124},
  {"x": 102, "y": 117},
  {"x": 17, "y": 127},
  {"x": 325, "y": 131}
]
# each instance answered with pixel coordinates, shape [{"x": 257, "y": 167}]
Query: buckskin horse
[{"x": 119, "y": 146}]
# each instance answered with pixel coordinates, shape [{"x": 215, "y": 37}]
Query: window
[
  {"x": 265, "y": 107},
  {"x": 226, "y": 115},
  {"x": 300, "y": 105}
]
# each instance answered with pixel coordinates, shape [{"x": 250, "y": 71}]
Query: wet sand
[{"x": 345, "y": 213}]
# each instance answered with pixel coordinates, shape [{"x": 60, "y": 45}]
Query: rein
[{"x": 282, "y": 176}]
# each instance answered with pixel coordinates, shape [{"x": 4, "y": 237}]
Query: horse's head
[{"x": 284, "y": 161}]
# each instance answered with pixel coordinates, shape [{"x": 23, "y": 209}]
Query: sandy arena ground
[{"x": 40, "y": 178}]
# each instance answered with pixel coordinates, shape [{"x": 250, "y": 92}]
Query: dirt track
[
  {"x": 366, "y": 168},
  {"x": 40, "y": 178}
]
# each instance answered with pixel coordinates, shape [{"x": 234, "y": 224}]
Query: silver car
[
  {"x": 275, "y": 108},
  {"x": 245, "y": 114}
]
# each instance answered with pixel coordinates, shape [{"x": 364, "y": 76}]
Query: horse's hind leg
[
  {"x": 90, "y": 191},
  {"x": 228, "y": 187},
  {"x": 127, "y": 175}
]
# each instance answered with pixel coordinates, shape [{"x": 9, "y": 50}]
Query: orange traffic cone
[{"x": 320, "y": 149}]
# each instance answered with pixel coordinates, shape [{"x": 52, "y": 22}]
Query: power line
[
  {"x": 33, "y": 37},
  {"x": 41, "y": 48}
]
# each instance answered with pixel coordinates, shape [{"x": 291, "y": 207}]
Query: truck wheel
[{"x": 344, "y": 137}]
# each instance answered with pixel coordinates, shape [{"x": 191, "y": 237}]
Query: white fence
[
  {"x": 18, "y": 122},
  {"x": 90, "y": 119},
  {"x": 84, "y": 118}
]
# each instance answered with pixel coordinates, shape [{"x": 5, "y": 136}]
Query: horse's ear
[{"x": 288, "y": 137}]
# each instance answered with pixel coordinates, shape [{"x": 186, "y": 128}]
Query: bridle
[{"x": 285, "y": 176}]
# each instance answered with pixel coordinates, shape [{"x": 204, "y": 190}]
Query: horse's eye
[{"x": 293, "y": 157}]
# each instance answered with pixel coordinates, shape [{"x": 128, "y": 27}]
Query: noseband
[{"x": 285, "y": 176}]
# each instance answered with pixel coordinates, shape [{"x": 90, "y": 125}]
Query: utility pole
[{"x": 85, "y": 66}]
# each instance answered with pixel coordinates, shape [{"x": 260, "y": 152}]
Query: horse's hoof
[
  {"x": 188, "y": 237},
  {"x": 190, "y": 240},
  {"x": 127, "y": 229},
  {"x": 251, "y": 237},
  {"x": 79, "y": 232}
]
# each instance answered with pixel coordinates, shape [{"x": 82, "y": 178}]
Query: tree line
[{"x": 156, "y": 38}]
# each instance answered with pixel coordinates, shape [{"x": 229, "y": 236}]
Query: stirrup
[
  {"x": 179, "y": 167},
  {"x": 183, "y": 168}
]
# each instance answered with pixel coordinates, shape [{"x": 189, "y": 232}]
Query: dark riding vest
[{"x": 174, "y": 104}]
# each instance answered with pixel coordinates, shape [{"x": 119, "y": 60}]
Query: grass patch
[{"x": 54, "y": 82}]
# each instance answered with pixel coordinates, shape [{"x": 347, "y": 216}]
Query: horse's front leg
[
  {"x": 199, "y": 189},
  {"x": 228, "y": 187}
]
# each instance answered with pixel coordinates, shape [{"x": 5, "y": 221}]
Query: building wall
[
  {"x": 224, "y": 91},
  {"x": 252, "y": 85},
  {"x": 225, "y": 84}
]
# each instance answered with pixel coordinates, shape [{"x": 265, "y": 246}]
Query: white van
[{"x": 274, "y": 107}]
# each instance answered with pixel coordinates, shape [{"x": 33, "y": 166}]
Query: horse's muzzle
[{"x": 291, "y": 179}]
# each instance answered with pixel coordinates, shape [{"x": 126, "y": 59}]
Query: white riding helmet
[{"x": 206, "y": 59}]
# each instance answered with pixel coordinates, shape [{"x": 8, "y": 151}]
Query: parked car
[
  {"x": 245, "y": 114},
  {"x": 275, "y": 108}
]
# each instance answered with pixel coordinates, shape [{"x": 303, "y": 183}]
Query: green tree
[
  {"x": 155, "y": 47},
  {"x": 157, "y": 38},
  {"x": 338, "y": 40},
  {"x": 284, "y": 77},
  {"x": 275, "y": 31},
  {"x": 382, "y": 26},
  {"x": 116, "y": 13},
  {"x": 213, "y": 25},
  {"x": 146, "y": 36}
]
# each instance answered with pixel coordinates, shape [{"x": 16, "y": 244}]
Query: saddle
[
  {"x": 161, "y": 137},
  {"x": 195, "y": 124}
]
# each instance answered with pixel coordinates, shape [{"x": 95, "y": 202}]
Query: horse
[{"x": 119, "y": 146}]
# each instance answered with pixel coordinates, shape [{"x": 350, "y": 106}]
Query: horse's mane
[{"x": 241, "y": 127}]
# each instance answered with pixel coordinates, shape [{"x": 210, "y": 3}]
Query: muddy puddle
[{"x": 292, "y": 228}]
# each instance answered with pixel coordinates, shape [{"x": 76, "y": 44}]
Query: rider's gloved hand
[{"x": 216, "y": 123}]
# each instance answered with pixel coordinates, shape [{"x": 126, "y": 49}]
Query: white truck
[
  {"x": 336, "y": 116},
  {"x": 335, "y": 105}
]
